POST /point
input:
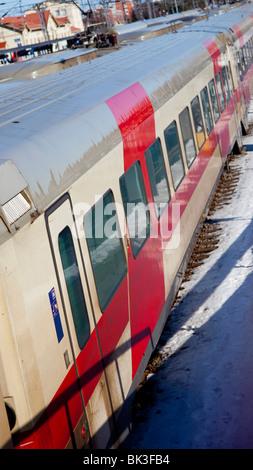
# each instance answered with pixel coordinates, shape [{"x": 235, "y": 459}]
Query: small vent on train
[{"x": 16, "y": 207}]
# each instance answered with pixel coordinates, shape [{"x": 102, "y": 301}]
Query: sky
[{"x": 14, "y": 7}]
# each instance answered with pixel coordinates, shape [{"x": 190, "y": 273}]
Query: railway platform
[{"x": 199, "y": 384}]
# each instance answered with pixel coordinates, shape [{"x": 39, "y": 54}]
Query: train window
[
  {"x": 174, "y": 154},
  {"x": 136, "y": 207},
  {"x": 106, "y": 248},
  {"x": 187, "y": 134},
  {"x": 250, "y": 48},
  {"x": 157, "y": 176},
  {"x": 239, "y": 65},
  {"x": 225, "y": 83},
  {"x": 242, "y": 62},
  {"x": 207, "y": 110},
  {"x": 249, "y": 45},
  {"x": 214, "y": 100},
  {"x": 198, "y": 121},
  {"x": 230, "y": 79},
  {"x": 74, "y": 286},
  {"x": 249, "y": 51},
  {"x": 248, "y": 54},
  {"x": 220, "y": 91},
  {"x": 245, "y": 56}
]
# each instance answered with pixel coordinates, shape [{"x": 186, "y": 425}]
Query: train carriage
[{"x": 106, "y": 171}]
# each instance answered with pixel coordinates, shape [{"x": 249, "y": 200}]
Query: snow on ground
[{"x": 201, "y": 397}]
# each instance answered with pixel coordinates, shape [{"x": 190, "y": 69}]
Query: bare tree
[
  {"x": 106, "y": 4},
  {"x": 138, "y": 4}
]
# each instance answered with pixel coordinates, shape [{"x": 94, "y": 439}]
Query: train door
[
  {"x": 146, "y": 282},
  {"x": 81, "y": 329},
  {"x": 107, "y": 256}
]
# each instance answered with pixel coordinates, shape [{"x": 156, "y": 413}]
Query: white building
[{"x": 46, "y": 21}]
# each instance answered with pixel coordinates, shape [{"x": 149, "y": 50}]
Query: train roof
[
  {"x": 56, "y": 128},
  {"x": 136, "y": 29}
]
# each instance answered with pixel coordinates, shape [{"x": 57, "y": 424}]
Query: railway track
[{"x": 208, "y": 239}]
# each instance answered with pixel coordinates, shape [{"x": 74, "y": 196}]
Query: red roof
[
  {"x": 16, "y": 22},
  {"x": 74, "y": 28},
  {"x": 61, "y": 21},
  {"x": 33, "y": 20}
]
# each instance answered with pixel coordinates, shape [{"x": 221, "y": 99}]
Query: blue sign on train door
[{"x": 56, "y": 314}]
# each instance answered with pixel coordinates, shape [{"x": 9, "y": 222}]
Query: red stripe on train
[
  {"x": 214, "y": 52},
  {"x": 134, "y": 114},
  {"x": 239, "y": 34}
]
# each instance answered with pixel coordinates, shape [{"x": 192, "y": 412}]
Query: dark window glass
[
  {"x": 74, "y": 286},
  {"x": 214, "y": 100},
  {"x": 230, "y": 79},
  {"x": 242, "y": 62},
  {"x": 106, "y": 248},
  {"x": 239, "y": 64},
  {"x": 174, "y": 153},
  {"x": 157, "y": 176},
  {"x": 207, "y": 110},
  {"x": 249, "y": 52},
  {"x": 250, "y": 49},
  {"x": 136, "y": 207},
  {"x": 225, "y": 83},
  {"x": 187, "y": 134},
  {"x": 198, "y": 121},
  {"x": 245, "y": 56}
]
